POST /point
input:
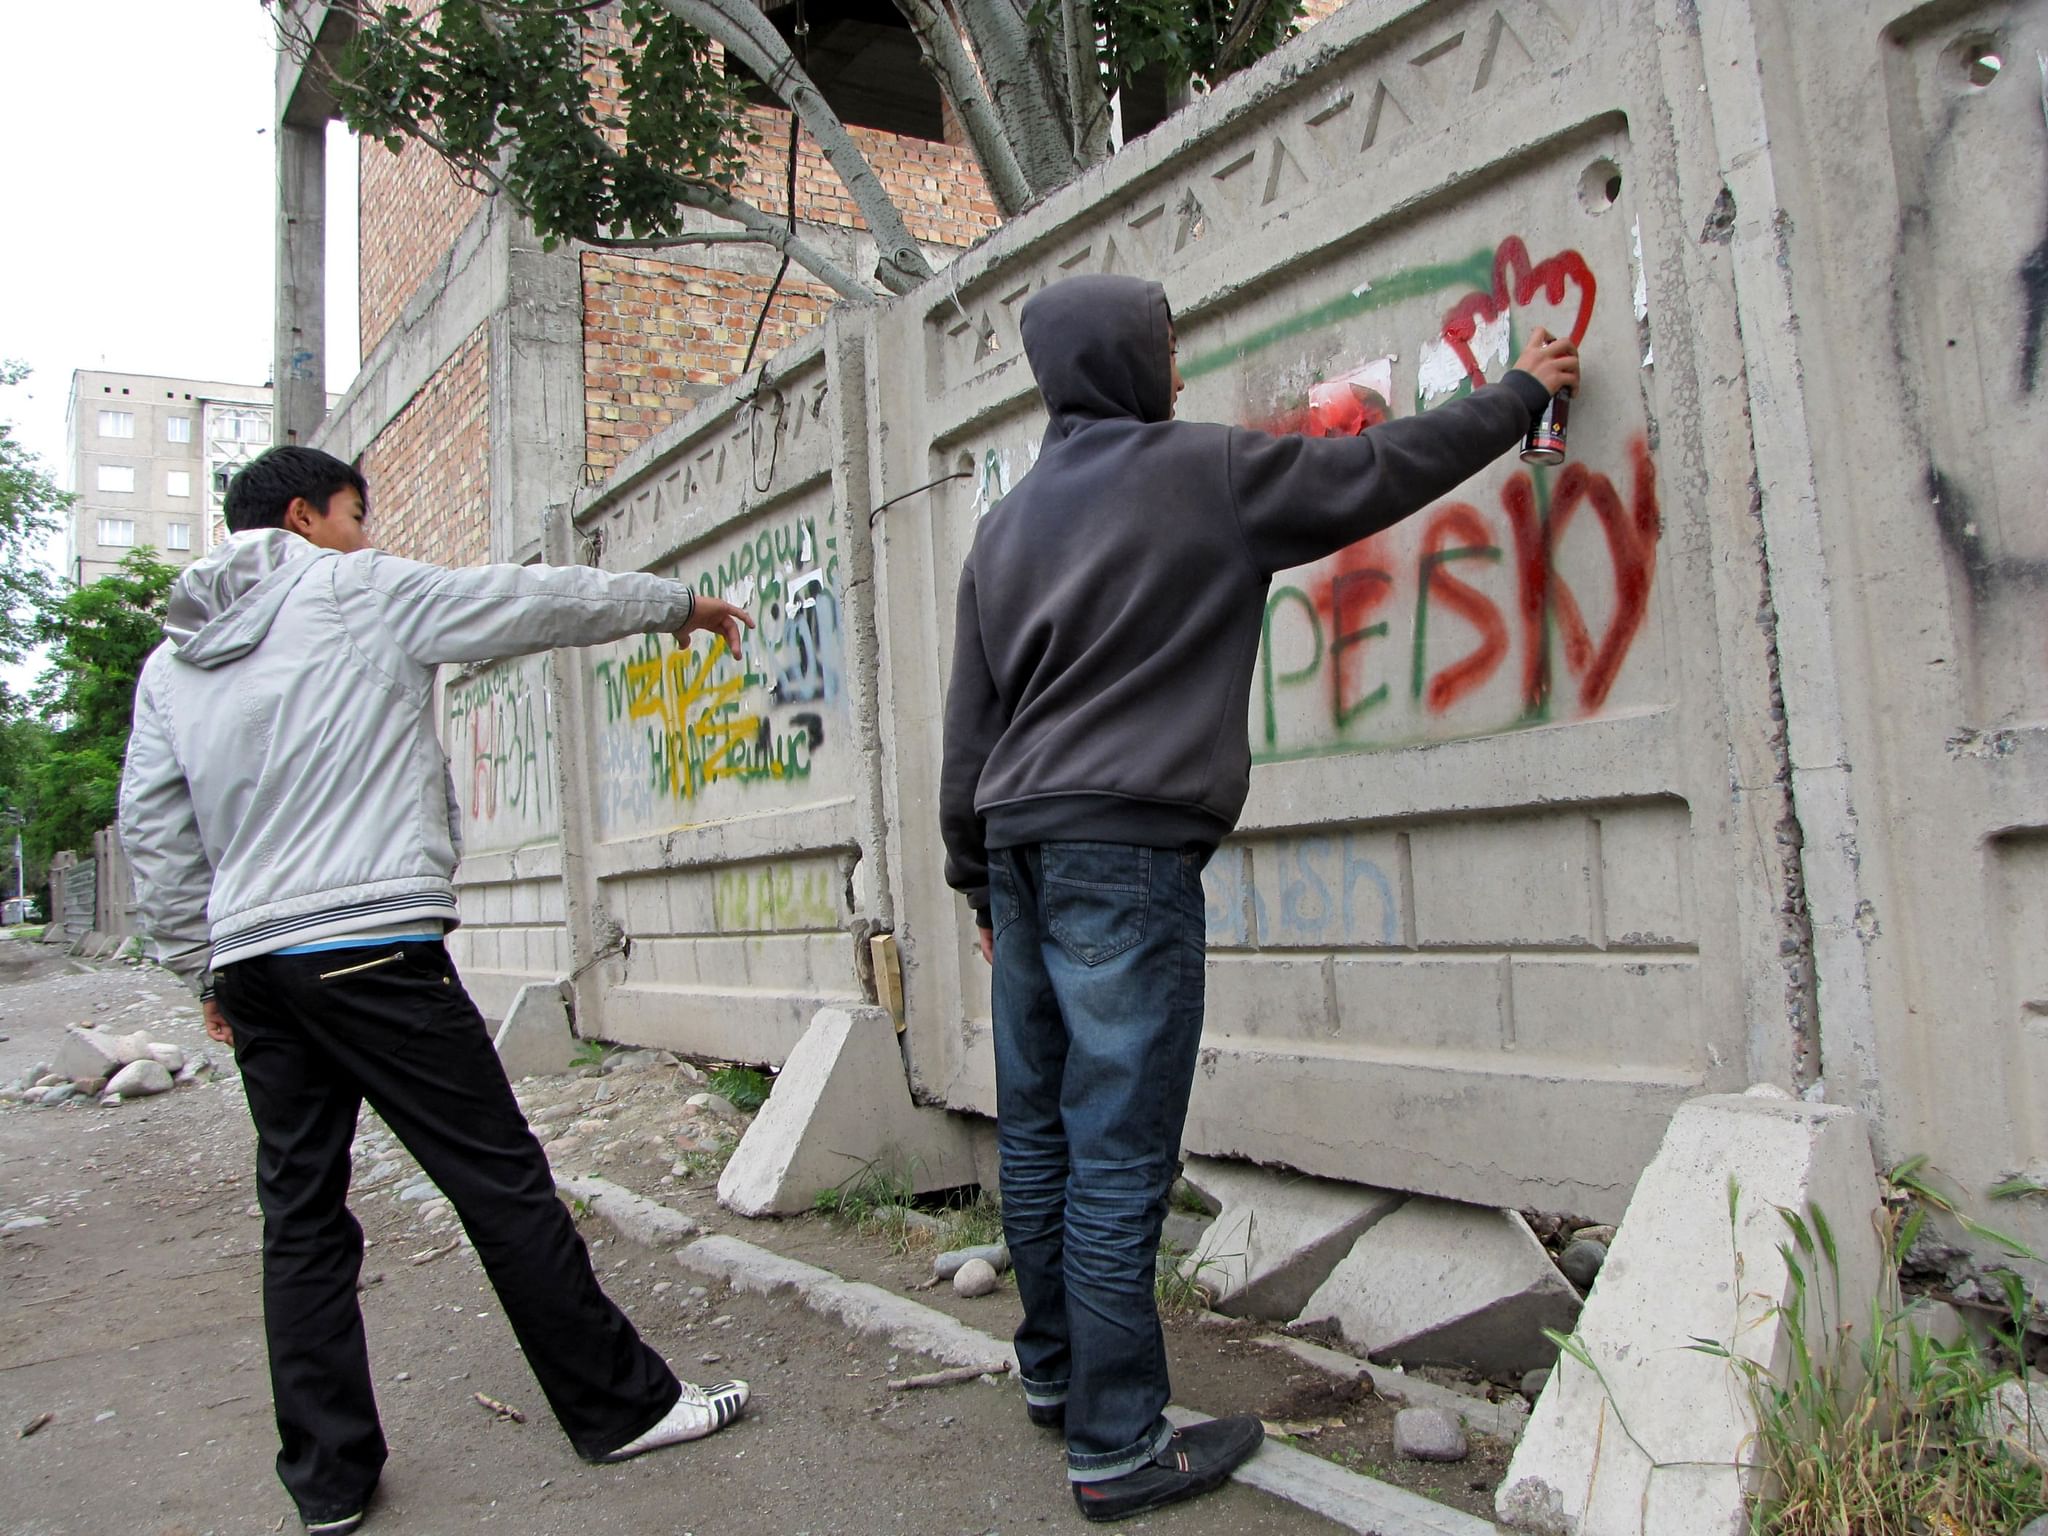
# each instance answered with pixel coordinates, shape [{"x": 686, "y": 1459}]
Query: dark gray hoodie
[{"x": 1111, "y": 606}]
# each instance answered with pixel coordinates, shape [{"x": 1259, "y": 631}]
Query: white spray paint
[{"x": 1441, "y": 370}]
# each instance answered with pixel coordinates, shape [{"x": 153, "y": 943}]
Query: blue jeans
[{"x": 1098, "y": 1018}]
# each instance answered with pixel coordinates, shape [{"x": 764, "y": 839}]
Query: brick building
[{"x": 499, "y": 378}]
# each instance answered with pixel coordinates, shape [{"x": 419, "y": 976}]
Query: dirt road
[{"x": 132, "y": 1315}]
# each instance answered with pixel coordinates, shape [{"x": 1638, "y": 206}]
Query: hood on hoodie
[
  {"x": 1100, "y": 348},
  {"x": 223, "y": 605}
]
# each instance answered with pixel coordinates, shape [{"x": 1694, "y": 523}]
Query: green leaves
[
  {"x": 100, "y": 635},
  {"x": 515, "y": 94}
]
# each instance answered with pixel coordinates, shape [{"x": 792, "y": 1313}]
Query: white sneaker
[{"x": 700, "y": 1411}]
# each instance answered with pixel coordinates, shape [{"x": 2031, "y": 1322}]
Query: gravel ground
[{"x": 131, "y": 1314}]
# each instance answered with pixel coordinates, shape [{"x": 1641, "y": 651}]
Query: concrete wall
[{"x": 1713, "y": 756}]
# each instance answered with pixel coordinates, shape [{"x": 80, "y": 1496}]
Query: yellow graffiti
[{"x": 707, "y": 735}]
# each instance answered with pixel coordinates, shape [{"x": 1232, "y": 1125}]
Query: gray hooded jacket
[
  {"x": 284, "y": 782},
  {"x": 1110, "y": 609}
]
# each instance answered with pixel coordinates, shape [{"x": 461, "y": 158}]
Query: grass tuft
[{"x": 742, "y": 1087}]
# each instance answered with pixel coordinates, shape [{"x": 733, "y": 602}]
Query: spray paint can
[{"x": 1545, "y": 442}]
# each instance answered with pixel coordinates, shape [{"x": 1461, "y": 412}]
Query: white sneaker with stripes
[{"x": 700, "y": 1411}]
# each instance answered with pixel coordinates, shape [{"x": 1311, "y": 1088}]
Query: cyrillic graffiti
[
  {"x": 681, "y": 720},
  {"x": 502, "y": 742},
  {"x": 760, "y": 898}
]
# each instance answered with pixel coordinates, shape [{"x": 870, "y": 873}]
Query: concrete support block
[
  {"x": 1278, "y": 1235},
  {"x": 535, "y": 1040},
  {"x": 1683, "y": 1269},
  {"x": 1437, "y": 1283},
  {"x": 841, "y": 1105}
]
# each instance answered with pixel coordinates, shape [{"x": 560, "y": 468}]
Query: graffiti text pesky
[{"x": 1521, "y": 604}]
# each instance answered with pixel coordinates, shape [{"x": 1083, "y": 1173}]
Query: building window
[
  {"x": 117, "y": 530},
  {"x": 117, "y": 423},
  {"x": 243, "y": 427},
  {"x": 177, "y": 429},
  {"x": 178, "y": 482},
  {"x": 180, "y": 536},
  {"x": 117, "y": 477}
]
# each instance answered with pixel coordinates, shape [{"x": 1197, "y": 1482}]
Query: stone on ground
[
  {"x": 1278, "y": 1235},
  {"x": 140, "y": 1077},
  {"x": 716, "y": 1104},
  {"x": 977, "y": 1277},
  {"x": 841, "y": 1108},
  {"x": 1429, "y": 1434},
  {"x": 1438, "y": 1283},
  {"x": 535, "y": 1040},
  {"x": 1581, "y": 1261},
  {"x": 1683, "y": 1269},
  {"x": 171, "y": 1058},
  {"x": 2019, "y": 1417},
  {"x": 86, "y": 1054}
]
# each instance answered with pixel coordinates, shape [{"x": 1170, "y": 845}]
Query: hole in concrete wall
[
  {"x": 1600, "y": 186},
  {"x": 1979, "y": 58}
]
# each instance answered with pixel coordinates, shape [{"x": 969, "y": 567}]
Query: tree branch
[
  {"x": 1026, "y": 99},
  {"x": 748, "y": 33},
  {"x": 1243, "y": 22},
  {"x": 950, "y": 64},
  {"x": 756, "y": 227}
]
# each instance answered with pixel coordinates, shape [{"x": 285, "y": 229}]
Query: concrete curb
[
  {"x": 647, "y": 1222},
  {"x": 864, "y": 1308},
  {"x": 1358, "y": 1503}
]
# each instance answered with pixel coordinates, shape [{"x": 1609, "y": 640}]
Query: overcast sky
[{"x": 137, "y": 208}]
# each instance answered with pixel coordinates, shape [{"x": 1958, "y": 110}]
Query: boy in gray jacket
[
  {"x": 294, "y": 834},
  {"x": 1095, "y": 755}
]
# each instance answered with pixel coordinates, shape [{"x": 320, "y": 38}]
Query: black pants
[{"x": 316, "y": 1035}]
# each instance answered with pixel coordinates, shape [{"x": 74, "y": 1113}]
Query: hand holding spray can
[{"x": 1555, "y": 365}]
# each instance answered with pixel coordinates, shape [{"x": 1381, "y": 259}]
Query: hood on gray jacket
[
  {"x": 222, "y": 606},
  {"x": 1100, "y": 349}
]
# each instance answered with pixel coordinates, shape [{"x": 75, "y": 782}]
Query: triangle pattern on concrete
[{"x": 1502, "y": 55}]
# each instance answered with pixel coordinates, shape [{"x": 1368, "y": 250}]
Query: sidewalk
[{"x": 133, "y": 1316}]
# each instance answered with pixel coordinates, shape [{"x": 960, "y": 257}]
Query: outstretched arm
[
  {"x": 1302, "y": 498},
  {"x": 484, "y": 612}
]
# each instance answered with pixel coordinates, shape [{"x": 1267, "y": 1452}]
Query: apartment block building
[{"x": 150, "y": 460}]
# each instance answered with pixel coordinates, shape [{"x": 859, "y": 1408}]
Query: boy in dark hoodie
[{"x": 1095, "y": 755}]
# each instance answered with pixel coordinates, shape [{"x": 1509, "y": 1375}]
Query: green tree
[
  {"x": 501, "y": 90},
  {"x": 99, "y": 637},
  {"x": 30, "y": 509}
]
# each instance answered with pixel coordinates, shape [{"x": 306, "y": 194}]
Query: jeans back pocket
[{"x": 1096, "y": 897}]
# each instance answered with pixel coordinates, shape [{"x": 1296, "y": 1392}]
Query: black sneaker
[
  {"x": 1196, "y": 1460},
  {"x": 1047, "y": 1415}
]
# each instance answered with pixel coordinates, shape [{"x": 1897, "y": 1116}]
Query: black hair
[{"x": 265, "y": 486}]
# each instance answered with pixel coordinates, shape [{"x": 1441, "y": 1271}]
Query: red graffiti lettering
[
  {"x": 1458, "y": 525},
  {"x": 1359, "y": 586},
  {"x": 1548, "y": 278},
  {"x": 1632, "y": 535}
]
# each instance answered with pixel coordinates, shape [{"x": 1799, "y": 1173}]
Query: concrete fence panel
[
  {"x": 1710, "y": 756},
  {"x": 1478, "y": 933}
]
